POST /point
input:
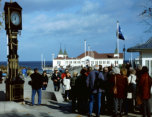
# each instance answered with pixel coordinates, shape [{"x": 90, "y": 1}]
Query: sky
[{"x": 49, "y": 24}]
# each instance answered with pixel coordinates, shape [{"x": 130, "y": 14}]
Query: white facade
[
  {"x": 145, "y": 54},
  {"x": 86, "y": 60},
  {"x": 146, "y": 60}
]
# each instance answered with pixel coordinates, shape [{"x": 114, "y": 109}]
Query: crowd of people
[{"x": 109, "y": 90}]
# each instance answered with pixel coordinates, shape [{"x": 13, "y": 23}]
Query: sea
[{"x": 30, "y": 64}]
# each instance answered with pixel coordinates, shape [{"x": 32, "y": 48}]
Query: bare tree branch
[{"x": 146, "y": 14}]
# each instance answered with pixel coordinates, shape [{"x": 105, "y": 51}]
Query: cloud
[
  {"x": 90, "y": 7},
  {"x": 30, "y": 6},
  {"x": 46, "y": 23},
  {"x": 70, "y": 24}
]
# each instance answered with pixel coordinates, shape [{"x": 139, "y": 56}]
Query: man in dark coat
[
  {"x": 95, "y": 91},
  {"x": 36, "y": 83},
  {"x": 56, "y": 78},
  {"x": 82, "y": 92}
]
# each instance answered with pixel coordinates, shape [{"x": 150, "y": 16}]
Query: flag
[{"x": 119, "y": 33}]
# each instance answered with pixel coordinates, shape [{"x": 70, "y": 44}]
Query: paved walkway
[
  {"x": 51, "y": 109},
  {"x": 48, "y": 109}
]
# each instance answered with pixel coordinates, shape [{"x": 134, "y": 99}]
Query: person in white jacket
[
  {"x": 132, "y": 85},
  {"x": 66, "y": 83}
]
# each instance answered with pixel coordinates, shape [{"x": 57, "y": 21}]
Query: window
[
  {"x": 96, "y": 62},
  {"x": 67, "y": 62},
  {"x": 74, "y": 62},
  {"x": 108, "y": 62},
  {"x": 92, "y": 62},
  {"x": 70, "y": 62},
  {"x": 100, "y": 62},
  {"x": 78, "y": 62},
  {"x": 58, "y": 62},
  {"x": 104, "y": 62},
  {"x": 147, "y": 63}
]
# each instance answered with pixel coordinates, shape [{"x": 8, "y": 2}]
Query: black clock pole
[{"x": 14, "y": 84}]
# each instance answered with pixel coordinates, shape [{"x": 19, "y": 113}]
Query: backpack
[{"x": 98, "y": 83}]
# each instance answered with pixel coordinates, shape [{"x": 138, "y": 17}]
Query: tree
[
  {"x": 146, "y": 14},
  {"x": 1, "y": 18}
]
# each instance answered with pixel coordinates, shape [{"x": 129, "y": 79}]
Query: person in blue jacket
[{"x": 95, "y": 91}]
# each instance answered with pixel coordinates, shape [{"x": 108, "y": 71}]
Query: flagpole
[
  {"x": 88, "y": 50},
  {"x": 85, "y": 44},
  {"x": 131, "y": 59},
  {"x": 85, "y": 49},
  {"x": 124, "y": 49},
  {"x": 118, "y": 40}
]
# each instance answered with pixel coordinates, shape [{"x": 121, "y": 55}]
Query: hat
[
  {"x": 75, "y": 73},
  {"x": 116, "y": 70},
  {"x": 96, "y": 67},
  {"x": 55, "y": 69},
  {"x": 139, "y": 67}
]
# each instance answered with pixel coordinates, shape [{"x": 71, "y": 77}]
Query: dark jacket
[
  {"x": 72, "y": 81},
  {"x": 56, "y": 79},
  {"x": 121, "y": 84},
  {"x": 81, "y": 86},
  {"x": 36, "y": 81},
  {"x": 91, "y": 80},
  {"x": 45, "y": 78},
  {"x": 145, "y": 86}
]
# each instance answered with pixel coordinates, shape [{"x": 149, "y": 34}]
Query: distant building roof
[
  {"x": 116, "y": 51},
  {"x": 65, "y": 52},
  {"x": 145, "y": 46},
  {"x": 60, "y": 52},
  {"x": 95, "y": 55}
]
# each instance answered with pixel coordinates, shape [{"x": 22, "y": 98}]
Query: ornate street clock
[
  {"x": 13, "y": 23},
  {"x": 13, "y": 16}
]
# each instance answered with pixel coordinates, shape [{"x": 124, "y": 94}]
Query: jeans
[
  {"x": 134, "y": 91},
  {"x": 39, "y": 95},
  {"x": 125, "y": 105},
  {"x": 116, "y": 102},
  {"x": 43, "y": 87},
  {"x": 95, "y": 98},
  {"x": 103, "y": 102},
  {"x": 146, "y": 108},
  {"x": 67, "y": 94},
  {"x": 56, "y": 87}
]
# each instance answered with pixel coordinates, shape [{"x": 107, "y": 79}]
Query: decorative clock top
[{"x": 15, "y": 18}]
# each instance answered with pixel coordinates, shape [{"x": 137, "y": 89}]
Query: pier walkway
[{"x": 53, "y": 104}]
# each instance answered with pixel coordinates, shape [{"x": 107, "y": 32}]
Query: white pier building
[{"x": 89, "y": 58}]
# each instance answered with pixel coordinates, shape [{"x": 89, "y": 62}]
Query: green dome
[
  {"x": 65, "y": 52},
  {"x": 60, "y": 52}
]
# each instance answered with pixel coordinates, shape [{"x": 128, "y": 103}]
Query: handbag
[
  {"x": 130, "y": 86},
  {"x": 138, "y": 100},
  {"x": 129, "y": 95},
  {"x": 115, "y": 87}
]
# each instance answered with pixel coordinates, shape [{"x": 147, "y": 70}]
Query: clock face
[{"x": 15, "y": 18}]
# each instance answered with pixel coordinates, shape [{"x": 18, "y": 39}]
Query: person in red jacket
[
  {"x": 145, "y": 87},
  {"x": 63, "y": 75},
  {"x": 121, "y": 83}
]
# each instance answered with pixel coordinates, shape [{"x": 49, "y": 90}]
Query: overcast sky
[{"x": 49, "y": 23}]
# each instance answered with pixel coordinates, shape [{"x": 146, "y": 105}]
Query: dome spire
[
  {"x": 60, "y": 52},
  {"x": 65, "y": 52}
]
